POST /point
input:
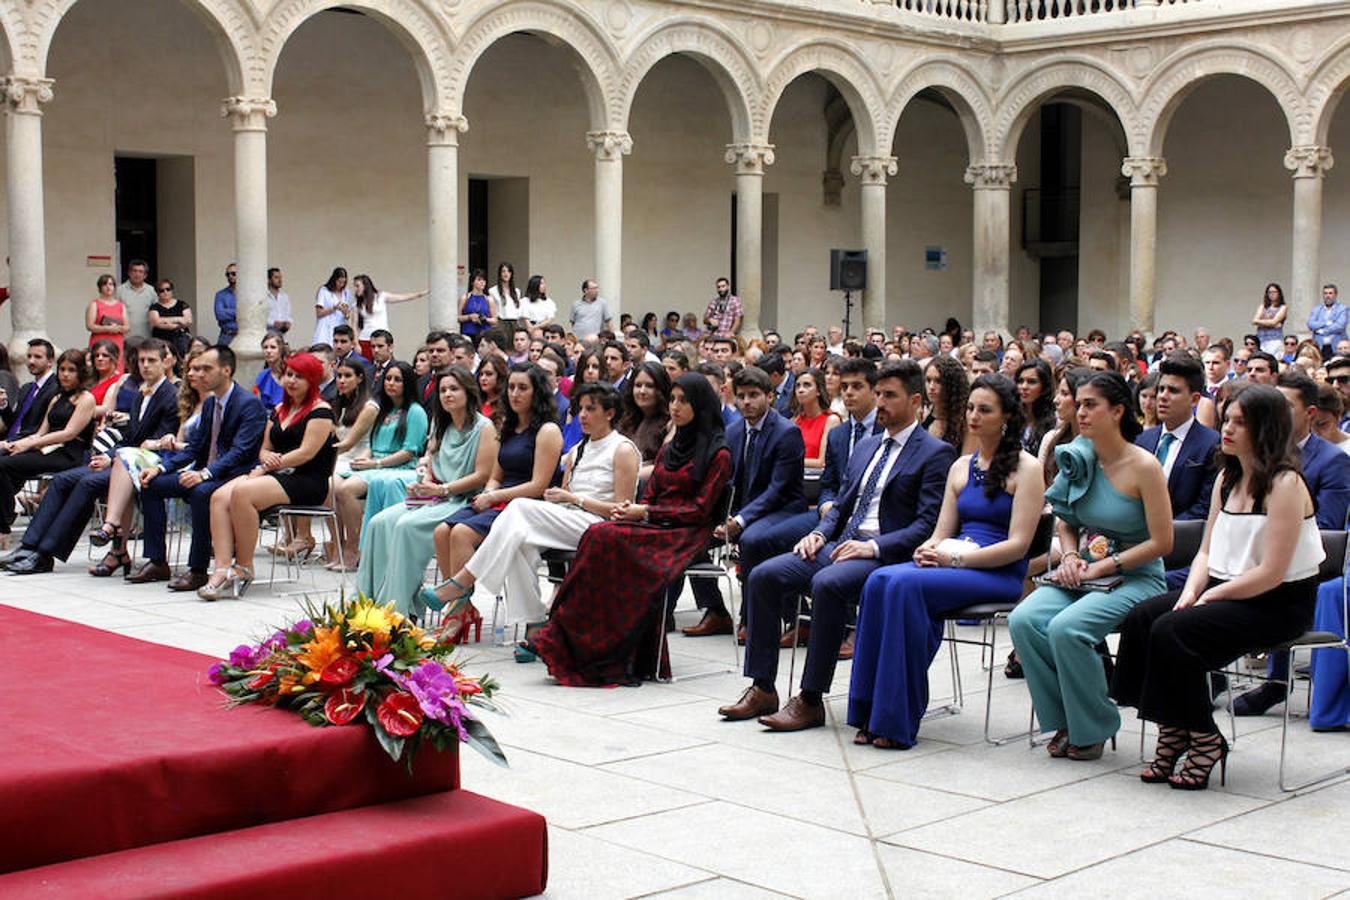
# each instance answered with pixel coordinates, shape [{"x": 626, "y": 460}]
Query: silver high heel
[{"x": 233, "y": 586}]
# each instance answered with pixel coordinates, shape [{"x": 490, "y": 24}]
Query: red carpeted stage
[{"x": 126, "y": 776}]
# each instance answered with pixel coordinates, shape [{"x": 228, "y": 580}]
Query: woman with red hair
[{"x": 294, "y": 468}]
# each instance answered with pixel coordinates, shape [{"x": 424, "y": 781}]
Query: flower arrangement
[{"x": 358, "y": 659}]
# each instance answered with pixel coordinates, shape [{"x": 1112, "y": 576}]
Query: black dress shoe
[
  {"x": 19, "y": 554},
  {"x": 32, "y": 565},
  {"x": 1258, "y": 702}
]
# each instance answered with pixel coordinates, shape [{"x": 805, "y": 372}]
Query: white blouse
[
  {"x": 508, "y": 308},
  {"x": 1239, "y": 542}
]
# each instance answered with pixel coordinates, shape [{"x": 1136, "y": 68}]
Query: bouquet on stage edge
[{"x": 361, "y": 660}]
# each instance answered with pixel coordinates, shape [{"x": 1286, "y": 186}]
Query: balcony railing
[
  {"x": 962, "y": 10},
  {"x": 999, "y": 11}
]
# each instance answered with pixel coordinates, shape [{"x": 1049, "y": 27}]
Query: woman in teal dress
[
  {"x": 1115, "y": 519},
  {"x": 381, "y": 478},
  {"x": 397, "y": 542}
]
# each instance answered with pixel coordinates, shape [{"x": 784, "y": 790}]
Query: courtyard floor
[{"x": 648, "y": 793}]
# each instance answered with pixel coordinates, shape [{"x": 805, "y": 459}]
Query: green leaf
[{"x": 480, "y": 739}]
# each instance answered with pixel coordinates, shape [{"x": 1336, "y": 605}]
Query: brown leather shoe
[
  {"x": 189, "y": 581},
  {"x": 798, "y": 715},
  {"x": 801, "y": 634},
  {"x": 151, "y": 571},
  {"x": 753, "y": 703},
  {"x": 846, "y": 648},
  {"x": 712, "y": 623}
]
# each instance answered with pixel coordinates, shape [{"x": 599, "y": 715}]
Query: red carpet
[{"x": 112, "y": 743}]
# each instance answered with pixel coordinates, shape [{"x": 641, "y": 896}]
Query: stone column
[
  {"x": 609, "y": 147},
  {"x": 993, "y": 191},
  {"x": 874, "y": 170},
  {"x": 443, "y": 133},
  {"x": 750, "y": 160},
  {"x": 1309, "y": 164},
  {"x": 248, "y": 117},
  {"x": 27, "y": 225},
  {"x": 1143, "y": 172}
]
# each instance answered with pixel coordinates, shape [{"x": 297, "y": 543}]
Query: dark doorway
[
  {"x": 137, "y": 221},
  {"x": 478, "y": 227}
]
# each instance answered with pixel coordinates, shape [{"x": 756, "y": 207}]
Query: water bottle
[{"x": 498, "y": 632}]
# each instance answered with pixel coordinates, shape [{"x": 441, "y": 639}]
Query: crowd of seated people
[{"x": 884, "y": 480}]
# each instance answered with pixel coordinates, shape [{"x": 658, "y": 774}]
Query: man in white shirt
[
  {"x": 835, "y": 343},
  {"x": 136, "y": 293},
  {"x": 278, "y": 304}
]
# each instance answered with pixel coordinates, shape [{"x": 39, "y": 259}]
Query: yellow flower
[
  {"x": 372, "y": 619},
  {"x": 318, "y": 653}
]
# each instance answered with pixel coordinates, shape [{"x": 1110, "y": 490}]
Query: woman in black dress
[{"x": 294, "y": 467}]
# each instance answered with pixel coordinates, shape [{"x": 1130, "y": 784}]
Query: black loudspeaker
[{"x": 848, "y": 270}]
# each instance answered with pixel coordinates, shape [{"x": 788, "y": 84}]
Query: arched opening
[
  {"x": 1336, "y": 199},
  {"x": 137, "y": 163},
  {"x": 1227, "y": 196}
]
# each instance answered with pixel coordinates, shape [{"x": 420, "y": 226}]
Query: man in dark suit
[
  {"x": 438, "y": 357},
  {"x": 23, "y": 414},
  {"x": 767, "y": 461},
  {"x": 892, "y": 493},
  {"x": 382, "y": 348},
  {"x": 346, "y": 350},
  {"x": 1326, "y": 470},
  {"x": 782, "y": 380},
  {"x": 225, "y": 444},
  {"x": 69, "y": 499},
  {"x": 1183, "y": 446}
]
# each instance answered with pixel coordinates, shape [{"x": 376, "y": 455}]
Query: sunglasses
[{"x": 163, "y": 290}]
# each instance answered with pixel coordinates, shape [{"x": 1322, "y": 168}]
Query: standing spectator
[
  {"x": 136, "y": 295},
  {"x": 590, "y": 314},
  {"x": 170, "y": 318},
  {"x": 226, "y": 306},
  {"x": 332, "y": 306},
  {"x": 477, "y": 310},
  {"x": 372, "y": 309},
  {"x": 724, "y": 313},
  {"x": 506, "y": 296},
  {"x": 537, "y": 308},
  {"x": 278, "y": 304},
  {"x": 106, "y": 316},
  {"x": 1269, "y": 319},
  {"x": 1328, "y": 321}
]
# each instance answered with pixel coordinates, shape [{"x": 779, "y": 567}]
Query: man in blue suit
[
  {"x": 224, "y": 444},
  {"x": 767, "y": 461},
  {"x": 889, "y": 504},
  {"x": 782, "y": 382},
  {"x": 69, "y": 499},
  {"x": 1183, "y": 446},
  {"x": 1326, "y": 469}
]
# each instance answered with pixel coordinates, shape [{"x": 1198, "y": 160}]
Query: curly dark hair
[
  {"x": 955, "y": 393},
  {"x": 1004, "y": 464},
  {"x": 1041, "y": 416},
  {"x": 647, "y": 431},
  {"x": 543, "y": 408}
]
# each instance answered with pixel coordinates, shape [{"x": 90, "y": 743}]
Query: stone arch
[
  {"x": 12, "y": 34},
  {"x": 713, "y": 47},
  {"x": 229, "y": 22},
  {"x": 1025, "y": 94},
  {"x": 413, "y": 23},
  {"x": 592, "y": 55},
  {"x": 959, "y": 88},
  {"x": 1330, "y": 78},
  {"x": 841, "y": 66},
  {"x": 1177, "y": 77}
]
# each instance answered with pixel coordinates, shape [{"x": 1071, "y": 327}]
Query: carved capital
[
  {"x": 991, "y": 176},
  {"x": 1143, "y": 171},
  {"x": 248, "y": 113},
  {"x": 609, "y": 145},
  {"x": 1309, "y": 161},
  {"x": 874, "y": 169},
  {"x": 444, "y": 129},
  {"x": 750, "y": 159},
  {"x": 24, "y": 95}
]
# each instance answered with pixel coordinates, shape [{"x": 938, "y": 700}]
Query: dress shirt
[
  {"x": 1175, "y": 450},
  {"x": 278, "y": 308},
  {"x": 868, "y": 422},
  {"x": 870, "y": 526},
  {"x": 146, "y": 395},
  {"x": 222, "y": 403},
  {"x": 757, "y": 428}
]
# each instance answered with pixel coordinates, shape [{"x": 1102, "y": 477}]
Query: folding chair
[
  {"x": 280, "y": 521},
  {"x": 717, "y": 568}
]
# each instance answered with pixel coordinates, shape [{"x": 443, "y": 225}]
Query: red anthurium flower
[
  {"x": 262, "y": 680},
  {"x": 343, "y": 706},
  {"x": 400, "y": 714},
  {"x": 340, "y": 671}
]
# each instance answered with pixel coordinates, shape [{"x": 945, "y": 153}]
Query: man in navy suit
[
  {"x": 1184, "y": 447},
  {"x": 781, "y": 380},
  {"x": 889, "y": 504},
  {"x": 1326, "y": 469},
  {"x": 69, "y": 499},
  {"x": 224, "y": 444},
  {"x": 25, "y": 413}
]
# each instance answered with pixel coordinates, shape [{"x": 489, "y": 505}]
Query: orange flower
[{"x": 319, "y": 653}]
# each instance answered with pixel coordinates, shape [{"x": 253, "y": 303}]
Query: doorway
[
  {"x": 156, "y": 219},
  {"x": 499, "y": 226}
]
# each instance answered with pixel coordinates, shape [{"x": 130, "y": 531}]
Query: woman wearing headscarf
[
  {"x": 294, "y": 468},
  {"x": 602, "y": 630}
]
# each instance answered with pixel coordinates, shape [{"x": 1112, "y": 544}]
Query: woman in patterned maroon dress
[{"x": 602, "y": 628}]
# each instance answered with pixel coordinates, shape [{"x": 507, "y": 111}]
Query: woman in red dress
[
  {"x": 602, "y": 630},
  {"x": 812, "y": 415}
]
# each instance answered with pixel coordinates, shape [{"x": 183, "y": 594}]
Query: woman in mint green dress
[
  {"x": 396, "y": 544},
  {"x": 380, "y": 478},
  {"x": 1115, "y": 519}
]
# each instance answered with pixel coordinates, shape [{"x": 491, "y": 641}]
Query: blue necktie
[
  {"x": 1165, "y": 446},
  {"x": 868, "y": 492},
  {"x": 859, "y": 429},
  {"x": 23, "y": 410},
  {"x": 743, "y": 482}
]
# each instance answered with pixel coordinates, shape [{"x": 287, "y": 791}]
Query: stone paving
[{"x": 648, "y": 793}]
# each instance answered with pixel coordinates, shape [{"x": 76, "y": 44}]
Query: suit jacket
[
  {"x": 782, "y": 400},
  {"x": 1191, "y": 482},
  {"x": 241, "y": 434},
  {"x": 837, "y": 458},
  {"x": 357, "y": 358},
  {"x": 1326, "y": 469},
  {"x": 37, "y": 410},
  {"x": 376, "y": 373},
  {"x": 775, "y": 471},
  {"x": 161, "y": 417},
  {"x": 910, "y": 500}
]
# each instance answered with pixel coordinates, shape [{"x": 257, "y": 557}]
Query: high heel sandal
[
  {"x": 457, "y": 623},
  {"x": 300, "y": 548},
  {"x": 1172, "y": 742},
  {"x": 1059, "y": 744},
  {"x": 102, "y": 537},
  {"x": 1204, "y": 753},
  {"x": 434, "y": 600},
  {"x": 231, "y": 586},
  {"x": 116, "y": 558}
]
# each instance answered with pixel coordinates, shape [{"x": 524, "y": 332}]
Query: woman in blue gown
[{"x": 978, "y": 553}]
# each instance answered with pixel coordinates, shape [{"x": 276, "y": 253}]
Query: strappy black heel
[
  {"x": 1204, "y": 753},
  {"x": 1172, "y": 742}
]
